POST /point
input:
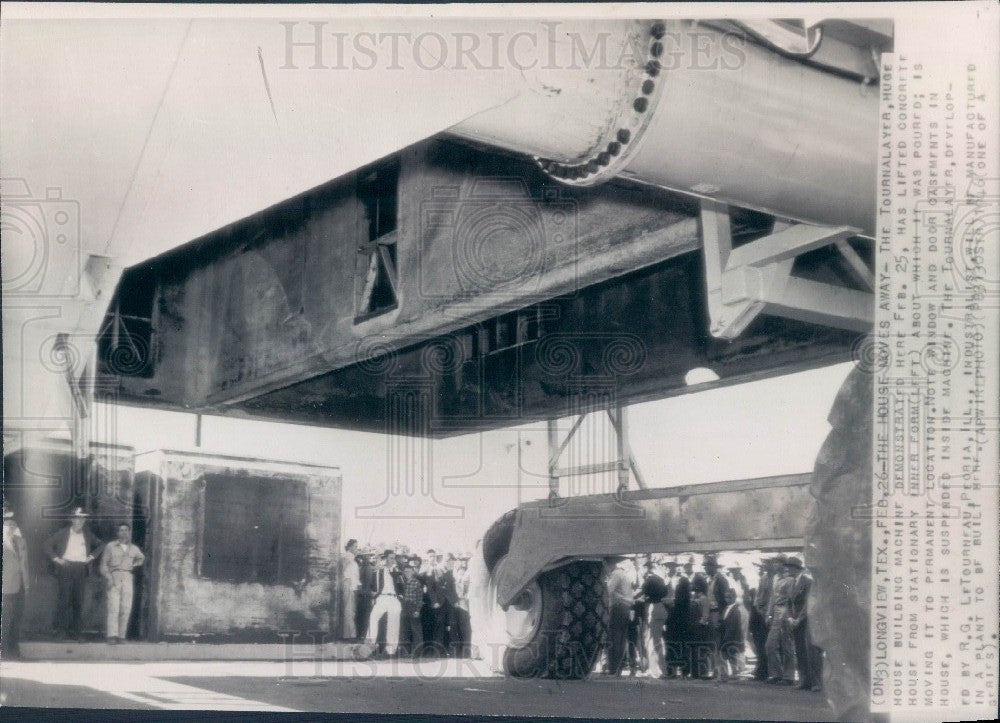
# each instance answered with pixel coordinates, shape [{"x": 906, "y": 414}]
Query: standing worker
[
  {"x": 718, "y": 587},
  {"x": 366, "y": 592},
  {"x": 118, "y": 561},
  {"x": 809, "y": 657},
  {"x": 653, "y": 591},
  {"x": 677, "y": 623},
  {"x": 388, "y": 592},
  {"x": 15, "y": 586},
  {"x": 413, "y": 597},
  {"x": 731, "y": 640},
  {"x": 462, "y": 626},
  {"x": 349, "y": 586},
  {"x": 71, "y": 550},
  {"x": 757, "y": 625},
  {"x": 780, "y": 654},
  {"x": 621, "y": 596}
]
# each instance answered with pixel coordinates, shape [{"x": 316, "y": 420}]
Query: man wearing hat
[
  {"x": 461, "y": 622},
  {"x": 769, "y": 569},
  {"x": 413, "y": 595},
  {"x": 368, "y": 562},
  {"x": 388, "y": 591},
  {"x": 779, "y": 648},
  {"x": 718, "y": 586},
  {"x": 638, "y": 659},
  {"x": 731, "y": 639},
  {"x": 348, "y": 584},
  {"x": 652, "y": 592},
  {"x": 756, "y": 625},
  {"x": 15, "y": 586},
  {"x": 669, "y": 567},
  {"x": 677, "y": 620},
  {"x": 620, "y": 595},
  {"x": 808, "y": 657},
  {"x": 448, "y": 637},
  {"x": 430, "y": 575},
  {"x": 71, "y": 551}
]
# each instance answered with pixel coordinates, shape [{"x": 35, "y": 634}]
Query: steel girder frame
[
  {"x": 766, "y": 513},
  {"x": 623, "y": 463},
  {"x": 756, "y": 278}
]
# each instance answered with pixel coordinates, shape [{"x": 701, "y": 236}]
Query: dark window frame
[
  {"x": 378, "y": 197},
  {"x": 259, "y": 549}
]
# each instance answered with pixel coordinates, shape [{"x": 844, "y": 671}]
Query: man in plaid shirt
[{"x": 413, "y": 598}]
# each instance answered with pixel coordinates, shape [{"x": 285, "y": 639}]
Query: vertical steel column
[
  {"x": 618, "y": 422},
  {"x": 554, "y": 451}
]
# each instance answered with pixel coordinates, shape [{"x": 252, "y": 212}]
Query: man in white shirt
[
  {"x": 621, "y": 596},
  {"x": 462, "y": 627},
  {"x": 118, "y": 561},
  {"x": 732, "y": 637},
  {"x": 348, "y": 585},
  {"x": 388, "y": 589},
  {"x": 71, "y": 551}
]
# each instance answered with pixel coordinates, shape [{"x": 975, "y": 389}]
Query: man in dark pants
[
  {"x": 731, "y": 644},
  {"x": 451, "y": 635},
  {"x": 757, "y": 627},
  {"x": 779, "y": 646},
  {"x": 461, "y": 622},
  {"x": 652, "y": 592},
  {"x": 366, "y": 594},
  {"x": 762, "y": 605},
  {"x": 677, "y": 623},
  {"x": 718, "y": 587},
  {"x": 412, "y": 635},
  {"x": 71, "y": 550},
  {"x": 15, "y": 586},
  {"x": 808, "y": 657},
  {"x": 436, "y": 609},
  {"x": 620, "y": 595},
  {"x": 427, "y": 576}
]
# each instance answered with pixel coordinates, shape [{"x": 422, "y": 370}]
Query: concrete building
[{"x": 237, "y": 548}]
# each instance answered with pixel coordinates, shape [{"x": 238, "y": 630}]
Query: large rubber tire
[
  {"x": 573, "y": 625},
  {"x": 496, "y": 541}
]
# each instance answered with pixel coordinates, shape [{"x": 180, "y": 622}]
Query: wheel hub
[{"x": 524, "y": 615}]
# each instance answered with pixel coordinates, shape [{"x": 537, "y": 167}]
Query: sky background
[{"x": 759, "y": 429}]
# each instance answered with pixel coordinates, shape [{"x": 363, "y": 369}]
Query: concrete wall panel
[{"x": 186, "y": 602}]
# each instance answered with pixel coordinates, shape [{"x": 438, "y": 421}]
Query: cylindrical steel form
[
  {"x": 773, "y": 134},
  {"x": 695, "y": 110}
]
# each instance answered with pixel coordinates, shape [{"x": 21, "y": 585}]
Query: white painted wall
[{"x": 753, "y": 430}]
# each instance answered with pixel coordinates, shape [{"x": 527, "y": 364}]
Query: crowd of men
[
  {"x": 671, "y": 621},
  {"x": 405, "y": 604},
  {"x": 666, "y": 619},
  {"x": 74, "y": 553}
]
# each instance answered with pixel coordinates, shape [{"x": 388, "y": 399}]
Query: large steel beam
[{"x": 767, "y": 513}]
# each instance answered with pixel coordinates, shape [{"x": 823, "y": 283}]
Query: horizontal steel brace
[
  {"x": 782, "y": 245},
  {"x": 595, "y": 468},
  {"x": 819, "y": 303},
  {"x": 768, "y": 513}
]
